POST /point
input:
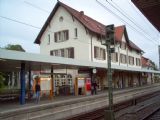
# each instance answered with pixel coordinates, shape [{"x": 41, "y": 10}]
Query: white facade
[{"x": 83, "y": 44}]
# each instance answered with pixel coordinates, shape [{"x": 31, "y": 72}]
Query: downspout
[{"x": 91, "y": 49}]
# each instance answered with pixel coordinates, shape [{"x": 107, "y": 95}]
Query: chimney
[{"x": 81, "y": 12}]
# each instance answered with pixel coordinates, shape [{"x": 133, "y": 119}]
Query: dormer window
[{"x": 61, "y": 19}]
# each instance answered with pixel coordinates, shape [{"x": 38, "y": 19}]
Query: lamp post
[{"x": 109, "y": 43}]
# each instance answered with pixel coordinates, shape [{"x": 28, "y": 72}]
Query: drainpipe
[{"x": 91, "y": 49}]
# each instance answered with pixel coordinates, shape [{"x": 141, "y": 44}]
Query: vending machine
[
  {"x": 88, "y": 86},
  {"x": 83, "y": 86}
]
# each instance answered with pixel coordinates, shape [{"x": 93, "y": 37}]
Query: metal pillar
[
  {"x": 29, "y": 76},
  {"x": 109, "y": 114},
  {"x": 22, "y": 78},
  {"x": 109, "y": 41}
]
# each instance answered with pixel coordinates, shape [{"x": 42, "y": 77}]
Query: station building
[
  {"x": 72, "y": 57},
  {"x": 68, "y": 33}
]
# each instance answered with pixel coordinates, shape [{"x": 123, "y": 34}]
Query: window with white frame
[
  {"x": 131, "y": 60},
  {"x": 65, "y": 52},
  {"x": 99, "y": 53},
  {"x": 123, "y": 58},
  {"x": 114, "y": 57},
  {"x": 61, "y": 36}
]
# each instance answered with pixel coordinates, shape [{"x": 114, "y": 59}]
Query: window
[
  {"x": 131, "y": 60},
  {"x": 48, "y": 39},
  {"x": 123, "y": 58},
  {"x": 61, "y": 36},
  {"x": 99, "y": 53},
  {"x": 61, "y": 19},
  {"x": 75, "y": 33},
  {"x": 114, "y": 57},
  {"x": 123, "y": 45},
  {"x": 66, "y": 52},
  {"x": 138, "y": 62}
]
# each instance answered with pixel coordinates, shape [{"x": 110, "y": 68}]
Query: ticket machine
[{"x": 83, "y": 86}]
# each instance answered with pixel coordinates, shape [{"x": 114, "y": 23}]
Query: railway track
[
  {"x": 99, "y": 114},
  {"x": 154, "y": 116}
]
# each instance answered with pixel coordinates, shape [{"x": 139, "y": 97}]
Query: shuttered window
[
  {"x": 131, "y": 60},
  {"x": 138, "y": 62},
  {"x": 66, "y": 52},
  {"x": 123, "y": 58},
  {"x": 99, "y": 53},
  {"x": 61, "y": 36},
  {"x": 114, "y": 57}
]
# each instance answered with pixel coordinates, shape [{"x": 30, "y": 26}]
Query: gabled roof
[
  {"x": 133, "y": 46},
  {"x": 88, "y": 22},
  {"x": 145, "y": 62},
  {"x": 91, "y": 24},
  {"x": 119, "y": 31}
]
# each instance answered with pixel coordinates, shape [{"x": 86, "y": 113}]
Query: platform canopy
[
  {"x": 151, "y": 10},
  {"x": 11, "y": 61}
]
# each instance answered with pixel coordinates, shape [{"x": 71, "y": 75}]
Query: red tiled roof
[
  {"x": 88, "y": 22},
  {"x": 119, "y": 33},
  {"x": 91, "y": 24},
  {"x": 133, "y": 46},
  {"x": 145, "y": 62}
]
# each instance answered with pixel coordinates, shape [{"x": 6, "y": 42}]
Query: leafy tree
[
  {"x": 154, "y": 66},
  {"x": 14, "y": 47},
  {"x": 1, "y": 80}
]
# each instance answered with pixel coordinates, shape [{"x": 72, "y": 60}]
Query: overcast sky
[{"x": 35, "y": 12}]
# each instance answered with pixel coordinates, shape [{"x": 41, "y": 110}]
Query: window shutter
[
  {"x": 104, "y": 54},
  {"x": 67, "y": 34},
  {"x": 72, "y": 52},
  {"x": 95, "y": 52},
  {"x": 51, "y": 52},
  {"x": 55, "y": 37},
  {"x": 133, "y": 60},
  {"x": 116, "y": 57}
]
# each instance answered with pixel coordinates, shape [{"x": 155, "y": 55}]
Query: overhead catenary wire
[
  {"x": 121, "y": 19},
  {"x": 143, "y": 19},
  {"x": 39, "y": 28},
  {"x": 48, "y": 12},
  {"x": 141, "y": 15},
  {"x": 131, "y": 19},
  {"x": 139, "y": 29},
  {"x": 20, "y": 22},
  {"x": 35, "y": 6},
  {"x": 33, "y": 25}
]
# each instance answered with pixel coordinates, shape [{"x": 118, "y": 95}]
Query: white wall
[{"x": 80, "y": 44}]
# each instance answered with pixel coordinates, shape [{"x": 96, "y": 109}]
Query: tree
[
  {"x": 1, "y": 80},
  {"x": 154, "y": 66},
  {"x": 14, "y": 47}
]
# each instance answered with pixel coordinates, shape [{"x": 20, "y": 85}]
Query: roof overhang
[
  {"x": 11, "y": 61},
  {"x": 151, "y": 10}
]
